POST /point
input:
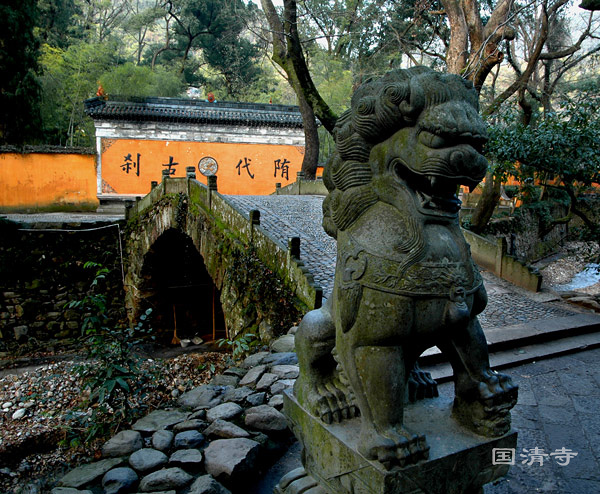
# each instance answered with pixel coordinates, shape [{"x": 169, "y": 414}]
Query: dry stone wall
[{"x": 42, "y": 269}]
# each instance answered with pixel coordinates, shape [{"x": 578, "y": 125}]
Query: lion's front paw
[
  {"x": 498, "y": 390},
  {"x": 328, "y": 400},
  {"x": 487, "y": 410},
  {"x": 394, "y": 447}
]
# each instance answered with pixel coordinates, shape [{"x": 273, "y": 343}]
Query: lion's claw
[
  {"x": 421, "y": 385},
  {"x": 394, "y": 447},
  {"x": 487, "y": 412}
]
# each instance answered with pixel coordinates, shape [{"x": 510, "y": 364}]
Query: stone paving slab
[
  {"x": 442, "y": 372},
  {"x": 58, "y": 218}
]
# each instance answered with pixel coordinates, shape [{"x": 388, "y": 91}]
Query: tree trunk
[
  {"x": 311, "y": 140},
  {"x": 288, "y": 54},
  {"x": 487, "y": 203}
]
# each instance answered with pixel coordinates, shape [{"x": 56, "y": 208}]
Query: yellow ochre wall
[
  {"x": 122, "y": 175},
  {"x": 47, "y": 181}
]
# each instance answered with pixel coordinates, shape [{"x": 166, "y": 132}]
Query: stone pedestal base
[{"x": 460, "y": 462}]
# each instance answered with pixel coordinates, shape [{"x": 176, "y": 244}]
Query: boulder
[
  {"x": 231, "y": 459},
  {"x": 86, "y": 474},
  {"x": 253, "y": 375},
  {"x": 285, "y": 371},
  {"x": 276, "y": 402},
  {"x": 168, "y": 478},
  {"x": 123, "y": 443},
  {"x": 147, "y": 459},
  {"x": 68, "y": 490},
  {"x": 189, "y": 425},
  {"x": 287, "y": 358},
  {"x": 285, "y": 343},
  {"x": 225, "y": 380},
  {"x": 224, "y": 411},
  {"x": 281, "y": 385},
  {"x": 226, "y": 430},
  {"x": 21, "y": 333},
  {"x": 159, "y": 420},
  {"x": 188, "y": 439},
  {"x": 237, "y": 395},
  {"x": 206, "y": 484},
  {"x": 265, "y": 418},
  {"x": 235, "y": 371},
  {"x": 119, "y": 481},
  {"x": 162, "y": 440},
  {"x": 188, "y": 459},
  {"x": 162, "y": 492},
  {"x": 200, "y": 414},
  {"x": 266, "y": 381},
  {"x": 256, "y": 399},
  {"x": 204, "y": 396},
  {"x": 254, "y": 360}
]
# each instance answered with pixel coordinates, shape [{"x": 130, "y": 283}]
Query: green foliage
[
  {"x": 240, "y": 346},
  {"x": 141, "y": 81},
  {"x": 334, "y": 82},
  {"x": 218, "y": 29},
  {"x": 55, "y": 21},
  {"x": 555, "y": 157},
  {"x": 561, "y": 145},
  {"x": 112, "y": 372},
  {"x": 69, "y": 77},
  {"x": 267, "y": 293},
  {"x": 19, "y": 85}
]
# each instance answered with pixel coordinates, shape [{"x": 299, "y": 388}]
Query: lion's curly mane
[{"x": 379, "y": 108}]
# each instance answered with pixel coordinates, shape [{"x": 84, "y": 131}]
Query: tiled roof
[{"x": 194, "y": 111}]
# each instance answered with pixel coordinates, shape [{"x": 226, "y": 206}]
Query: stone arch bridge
[{"x": 209, "y": 264}]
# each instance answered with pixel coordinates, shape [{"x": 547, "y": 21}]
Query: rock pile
[
  {"x": 221, "y": 434},
  {"x": 586, "y": 300}
]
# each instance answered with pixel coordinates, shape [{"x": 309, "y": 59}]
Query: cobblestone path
[
  {"x": 300, "y": 216},
  {"x": 297, "y": 216}
]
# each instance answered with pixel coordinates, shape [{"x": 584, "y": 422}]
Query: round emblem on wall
[{"x": 208, "y": 166}]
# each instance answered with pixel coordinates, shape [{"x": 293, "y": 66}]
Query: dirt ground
[{"x": 559, "y": 269}]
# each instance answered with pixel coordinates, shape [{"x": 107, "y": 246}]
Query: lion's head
[{"x": 414, "y": 132}]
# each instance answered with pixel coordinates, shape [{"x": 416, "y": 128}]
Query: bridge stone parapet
[{"x": 226, "y": 237}]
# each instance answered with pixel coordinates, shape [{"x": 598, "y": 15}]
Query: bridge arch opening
[{"x": 183, "y": 297}]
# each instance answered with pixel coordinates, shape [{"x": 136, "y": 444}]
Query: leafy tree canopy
[
  {"x": 19, "y": 86},
  {"x": 558, "y": 150},
  {"x": 129, "y": 79}
]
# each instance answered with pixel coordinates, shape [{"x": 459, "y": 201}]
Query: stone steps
[
  {"x": 520, "y": 344},
  {"x": 115, "y": 203}
]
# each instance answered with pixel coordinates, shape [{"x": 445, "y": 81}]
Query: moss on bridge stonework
[{"x": 260, "y": 284}]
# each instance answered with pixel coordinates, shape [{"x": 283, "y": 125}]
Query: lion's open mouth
[
  {"x": 434, "y": 194},
  {"x": 440, "y": 195}
]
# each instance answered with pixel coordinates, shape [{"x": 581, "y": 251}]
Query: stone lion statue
[{"x": 404, "y": 279}]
